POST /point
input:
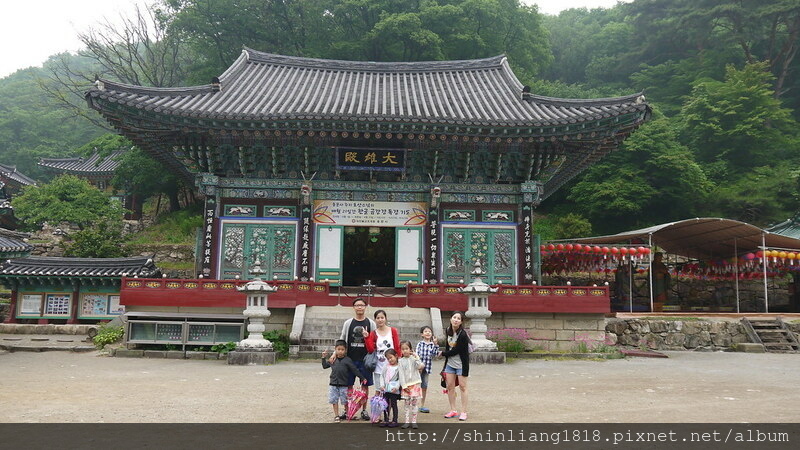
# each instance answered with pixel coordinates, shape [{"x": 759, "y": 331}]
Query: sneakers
[
  {"x": 337, "y": 419},
  {"x": 451, "y": 414},
  {"x": 405, "y": 425},
  {"x": 364, "y": 415},
  {"x": 463, "y": 416},
  {"x": 414, "y": 425},
  {"x": 343, "y": 417},
  {"x": 424, "y": 410}
]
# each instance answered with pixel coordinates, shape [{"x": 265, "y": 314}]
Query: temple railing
[
  {"x": 516, "y": 298},
  {"x": 210, "y": 293}
]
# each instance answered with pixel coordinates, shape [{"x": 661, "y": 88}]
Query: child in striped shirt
[{"x": 427, "y": 349}]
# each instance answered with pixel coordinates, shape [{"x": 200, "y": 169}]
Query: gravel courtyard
[{"x": 687, "y": 387}]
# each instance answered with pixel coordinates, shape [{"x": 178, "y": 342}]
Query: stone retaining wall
[{"x": 707, "y": 334}]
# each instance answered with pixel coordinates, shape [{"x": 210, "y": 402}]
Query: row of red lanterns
[{"x": 578, "y": 248}]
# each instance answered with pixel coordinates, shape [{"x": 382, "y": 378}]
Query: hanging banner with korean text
[
  {"x": 210, "y": 213},
  {"x": 366, "y": 213},
  {"x": 377, "y": 159}
]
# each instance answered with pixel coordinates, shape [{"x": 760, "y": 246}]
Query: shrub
[
  {"x": 224, "y": 349},
  {"x": 107, "y": 335},
  {"x": 510, "y": 340},
  {"x": 280, "y": 341}
]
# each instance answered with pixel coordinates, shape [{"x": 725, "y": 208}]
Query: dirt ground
[{"x": 687, "y": 387}]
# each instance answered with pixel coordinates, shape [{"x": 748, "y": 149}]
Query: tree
[
  {"x": 763, "y": 196},
  {"x": 138, "y": 51},
  {"x": 102, "y": 240},
  {"x": 739, "y": 121},
  {"x": 571, "y": 226},
  {"x": 140, "y": 175},
  {"x": 651, "y": 179},
  {"x": 65, "y": 199},
  {"x": 374, "y": 30}
]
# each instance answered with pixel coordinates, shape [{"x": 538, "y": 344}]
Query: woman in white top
[{"x": 381, "y": 339}]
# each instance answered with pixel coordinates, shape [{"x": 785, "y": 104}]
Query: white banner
[{"x": 366, "y": 213}]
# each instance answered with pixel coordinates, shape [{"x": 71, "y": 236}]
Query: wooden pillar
[
  {"x": 209, "y": 216},
  {"x": 529, "y": 268},
  {"x": 12, "y": 310},
  {"x": 73, "y": 308}
]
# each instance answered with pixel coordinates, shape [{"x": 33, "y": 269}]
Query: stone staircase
[
  {"x": 774, "y": 335},
  {"x": 322, "y": 325}
]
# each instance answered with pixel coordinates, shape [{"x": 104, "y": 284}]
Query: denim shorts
[
  {"x": 337, "y": 394},
  {"x": 424, "y": 375},
  {"x": 448, "y": 369}
]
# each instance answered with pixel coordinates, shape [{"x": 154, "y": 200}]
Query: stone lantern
[
  {"x": 478, "y": 311},
  {"x": 254, "y": 349}
]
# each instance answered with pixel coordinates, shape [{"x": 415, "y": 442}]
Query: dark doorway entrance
[{"x": 369, "y": 255}]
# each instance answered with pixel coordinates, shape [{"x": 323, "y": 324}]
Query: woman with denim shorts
[{"x": 456, "y": 365}]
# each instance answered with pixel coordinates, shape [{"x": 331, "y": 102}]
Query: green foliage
[
  {"x": 280, "y": 341},
  {"x": 32, "y": 127},
  {"x": 141, "y": 175},
  {"x": 762, "y": 196},
  {"x": 65, "y": 199},
  {"x": 374, "y": 30},
  {"x": 108, "y": 335},
  {"x": 739, "y": 120},
  {"x": 224, "y": 349},
  {"x": 652, "y": 179},
  {"x": 571, "y": 226},
  {"x": 171, "y": 228},
  {"x": 102, "y": 239}
]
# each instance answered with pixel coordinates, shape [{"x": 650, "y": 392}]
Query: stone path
[{"x": 686, "y": 387}]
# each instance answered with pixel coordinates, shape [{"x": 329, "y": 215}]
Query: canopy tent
[{"x": 703, "y": 238}]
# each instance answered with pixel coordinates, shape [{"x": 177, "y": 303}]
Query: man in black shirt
[{"x": 354, "y": 332}]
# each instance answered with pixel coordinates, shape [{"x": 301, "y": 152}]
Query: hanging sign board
[
  {"x": 366, "y": 213},
  {"x": 377, "y": 159}
]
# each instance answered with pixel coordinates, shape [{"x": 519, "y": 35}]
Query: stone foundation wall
[
  {"x": 676, "y": 334},
  {"x": 554, "y": 332}
]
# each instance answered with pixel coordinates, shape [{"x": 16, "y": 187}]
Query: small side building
[
  {"x": 98, "y": 171},
  {"x": 11, "y": 183},
  {"x": 69, "y": 290}
]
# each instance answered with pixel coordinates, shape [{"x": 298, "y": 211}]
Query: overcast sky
[{"x": 33, "y": 30}]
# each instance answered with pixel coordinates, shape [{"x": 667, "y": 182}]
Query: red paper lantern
[
  {"x": 568, "y": 247},
  {"x": 759, "y": 254},
  {"x": 606, "y": 250},
  {"x": 614, "y": 250},
  {"x": 542, "y": 247},
  {"x": 623, "y": 251},
  {"x": 560, "y": 247},
  {"x": 551, "y": 247},
  {"x": 597, "y": 249},
  {"x": 642, "y": 250},
  {"x": 578, "y": 247}
]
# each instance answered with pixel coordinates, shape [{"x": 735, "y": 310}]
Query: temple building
[{"x": 349, "y": 171}]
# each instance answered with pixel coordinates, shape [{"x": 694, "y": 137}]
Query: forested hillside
[{"x": 722, "y": 77}]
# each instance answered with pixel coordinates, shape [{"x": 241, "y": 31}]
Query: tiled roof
[
  {"x": 11, "y": 173},
  {"x": 93, "y": 164},
  {"x": 79, "y": 267},
  {"x": 266, "y": 87},
  {"x": 12, "y": 241},
  {"x": 790, "y": 228}
]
